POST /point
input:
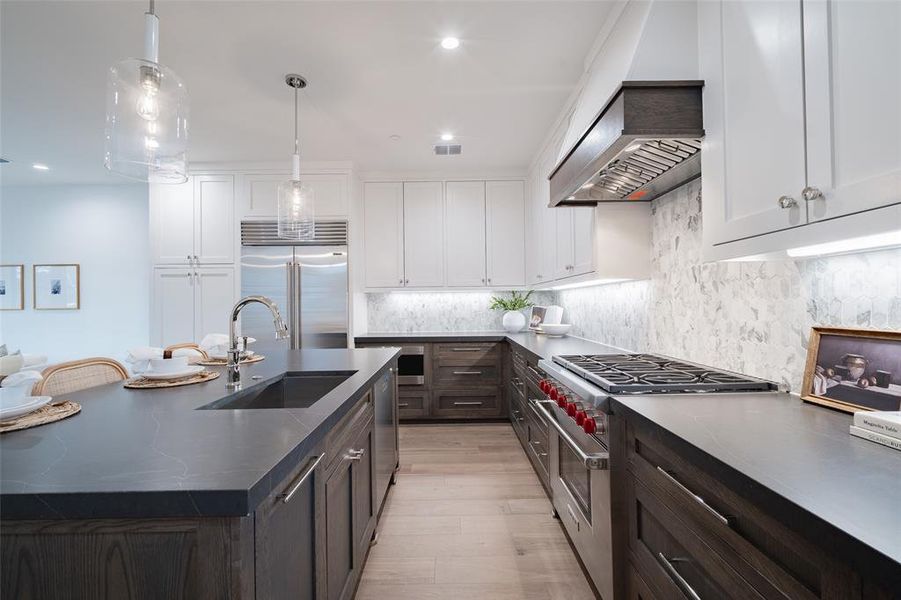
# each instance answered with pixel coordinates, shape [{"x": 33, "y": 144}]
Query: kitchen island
[{"x": 172, "y": 493}]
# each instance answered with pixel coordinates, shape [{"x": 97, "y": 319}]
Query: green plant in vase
[{"x": 514, "y": 319}]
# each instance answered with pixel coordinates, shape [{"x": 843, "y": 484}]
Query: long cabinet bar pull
[
  {"x": 695, "y": 497},
  {"x": 599, "y": 461},
  {"x": 465, "y": 349},
  {"x": 355, "y": 454},
  {"x": 403, "y": 404},
  {"x": 467, "y": 372},
  {"x": 667, "y": 565},
  {"x": 286, "y": 496},
  {"x": 467, "y": 403}
]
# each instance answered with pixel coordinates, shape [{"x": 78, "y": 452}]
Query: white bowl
[
  {"x": 175, "y": 364},
  {"x": 556, "y": 330}
]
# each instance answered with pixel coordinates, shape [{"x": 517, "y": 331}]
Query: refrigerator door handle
[{"x": 297, "y": 294}]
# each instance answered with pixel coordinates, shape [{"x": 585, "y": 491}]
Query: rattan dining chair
[{"x": 78, "y": 375}]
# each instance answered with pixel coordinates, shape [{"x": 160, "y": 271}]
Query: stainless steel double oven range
[{"x": 572, "y": 394}]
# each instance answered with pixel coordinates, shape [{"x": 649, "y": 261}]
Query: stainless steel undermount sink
[{"x": 294, "y": 390}]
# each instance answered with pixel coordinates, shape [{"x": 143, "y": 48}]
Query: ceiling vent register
[{"x": 448, "y": 149}]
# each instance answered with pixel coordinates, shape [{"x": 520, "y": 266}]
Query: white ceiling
[{"x": 375, "y": 69}]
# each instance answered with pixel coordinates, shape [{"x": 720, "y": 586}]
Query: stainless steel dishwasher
[{"x": 386, "y": 451}]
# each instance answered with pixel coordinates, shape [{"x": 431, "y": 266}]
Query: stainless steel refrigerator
[{"x": 307, "y": 280}]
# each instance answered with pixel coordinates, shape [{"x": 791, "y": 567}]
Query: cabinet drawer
[
  {"x": 777, "y": 562},
  {"x": 671, "y": 558},
  {"x": 467, "y": 354},
  {"x": 636, "y": 588},
  {"x": 412, "y": 405},
  {"x": 518, "y": 419},
  {"x": 473, "y": 375},
  {"x": 467, "y": 403},
  {"x": 343, "y": 434}
]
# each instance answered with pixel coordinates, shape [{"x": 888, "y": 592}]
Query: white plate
[
  {"x": 13, "y": 408},
  {"x": 193, "y": 370}
]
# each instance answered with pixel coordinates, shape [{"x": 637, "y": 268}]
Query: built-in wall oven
[
  {"x": 411, "y": 365},
  {"x": 579, "y": 471}
]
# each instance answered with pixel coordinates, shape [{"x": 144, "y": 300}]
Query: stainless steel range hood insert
[{"x": 645, "y": 142}]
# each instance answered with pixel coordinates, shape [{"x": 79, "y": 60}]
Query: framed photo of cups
[
  {"x": 56, "y": 287},
  {"x": 853, "y": 369},
  {"x": 12, "y": 287}
]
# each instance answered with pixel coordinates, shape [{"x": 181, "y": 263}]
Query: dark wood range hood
[{"x": 645, "y": 142}]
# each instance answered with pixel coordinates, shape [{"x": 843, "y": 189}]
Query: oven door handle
[{"x": 597, "y": 462}]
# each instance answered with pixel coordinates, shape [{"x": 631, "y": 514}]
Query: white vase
[{"x": 514, "y": 321}]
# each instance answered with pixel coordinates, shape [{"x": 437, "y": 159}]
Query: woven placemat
[
  {"x": 139, "y": 383},
  {"x": 221, "y": 362},
  {"x": 49, "y": 413}
]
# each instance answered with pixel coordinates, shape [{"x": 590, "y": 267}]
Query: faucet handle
[{"x": 244, "y": 343}]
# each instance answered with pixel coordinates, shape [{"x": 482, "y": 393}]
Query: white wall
[{"x": 105, "y": 230}]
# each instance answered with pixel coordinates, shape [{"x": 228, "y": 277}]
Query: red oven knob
[
  {"x": 553, "y": 393},
  {"x": 580, "y": 417},
  {"x": 589, "y": 425},
  {"x": 572, "y": 408},
  {"x": 543, "y": 386}
]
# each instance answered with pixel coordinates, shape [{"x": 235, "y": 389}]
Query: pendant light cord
[
  {"x": 152, "y": 10},
  {"x": 296, "y": 140}
]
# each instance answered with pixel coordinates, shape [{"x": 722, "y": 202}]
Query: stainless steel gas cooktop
[{"x": 652, "y": 373}]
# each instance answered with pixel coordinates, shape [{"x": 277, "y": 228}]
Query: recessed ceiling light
[
  {"x": 40, "y": 167},
  {"x": 450, "y": 43},
  {"x": 394, "y": 137},
  {"x": 447, "y": 137}
]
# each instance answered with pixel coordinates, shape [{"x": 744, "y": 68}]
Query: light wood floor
[{"x": 468, "y": 519}]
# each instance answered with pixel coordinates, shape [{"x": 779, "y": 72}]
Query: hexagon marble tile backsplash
[{"x": 753, "y": 318}]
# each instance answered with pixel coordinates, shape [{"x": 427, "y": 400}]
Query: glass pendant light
[
  {"x": 146, "y": 115},
  {"x": 295, "y": 198}
]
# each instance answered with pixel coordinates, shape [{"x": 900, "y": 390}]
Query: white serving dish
[
  {"x": 176, "y": 364},
  {"x": 556, "y": 330},
  {"x": 244, "y": 355},
  {"x": 13, "y": 407},
  {"x": 186, "y": 372}
]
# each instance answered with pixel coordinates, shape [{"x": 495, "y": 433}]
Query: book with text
[
  {"x": 879, "y": 438},
  {"x": 885, "y": 422}
]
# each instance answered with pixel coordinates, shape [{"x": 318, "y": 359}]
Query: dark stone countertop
[
  {"x": 541, "y": 346},
  {"x": 149, "y": 453},
  {"x": 841, "y": 491}
]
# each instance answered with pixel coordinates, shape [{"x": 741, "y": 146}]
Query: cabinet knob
[
  {"x": 406, "y": 282},
  {"x": 787, "y": 202},
  {"x": 811, "y": 193},
  {"x": 489, "y": 280},
  {"x": 401, "y": 282}
]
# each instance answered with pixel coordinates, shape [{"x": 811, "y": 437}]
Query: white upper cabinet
[
  {"x": 423, "y": 234},
  {"x": 464, "y": 232},
  {"x": 214, "y": 214},
  {"x": 753, "y": 154},
  {"x": 331, "y": 199},
  {"x": 802, "y": 110},
  {"x": 383, "y": 234},
  {"x": 172, "y": 223},
  {"x": 193, "y": 222},
  {"x": 533, "y": 233},
  {"x": 563, "y": 241},
  {"x": 583, "y": 240},
  {"x": 853, "y": 77},
  {"x": 505, "y": 232}
]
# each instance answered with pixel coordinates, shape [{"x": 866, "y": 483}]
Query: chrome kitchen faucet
[{"x": 234, "y": 353}]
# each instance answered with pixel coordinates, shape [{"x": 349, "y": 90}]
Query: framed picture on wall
[
  {"x": 56, "y": 287},
  {"x": 12, "y": 287},
  {"x": 853, "y": 369}
]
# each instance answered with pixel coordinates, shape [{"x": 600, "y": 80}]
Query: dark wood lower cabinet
[{"x": 288, "y": 527}]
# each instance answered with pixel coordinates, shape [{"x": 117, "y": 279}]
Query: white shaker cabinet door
[
  {"x": 214, "y": 293},
  {"x": 505, "y": 231},
  {"x": 583, "y": 240},
  {"x": 853, "y": 78},
  {"x": 214, "y": 210},
  {"x": 331, "y": 194},
  {"x": 423, "y": 234},
  {"x": 563, "y": 241},
  {"x": 172, "y": 319},
  {"x": 464, "y": 232},
  {"x": 172, "y": 223},
  {"x": 383, "y": 234},
  {"x": 259, "y": 194},
  {"x": 533, "y": 232},
  {"x": 753, "y": 155}
]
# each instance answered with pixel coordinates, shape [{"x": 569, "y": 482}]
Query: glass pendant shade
[
  {"x": 146, "y": 122},
  {"x": 295, "y": 211}
]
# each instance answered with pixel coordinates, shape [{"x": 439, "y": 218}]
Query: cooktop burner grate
[{"x": 650, "y": 373}]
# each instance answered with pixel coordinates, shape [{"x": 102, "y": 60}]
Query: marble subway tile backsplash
[
  {"x": 405, "y": 312},
  {"x": 752, "y": 317}
]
